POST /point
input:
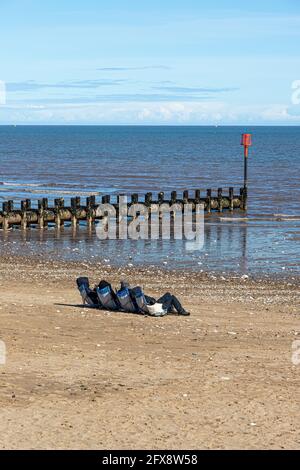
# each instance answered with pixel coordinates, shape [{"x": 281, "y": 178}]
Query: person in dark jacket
[
  {"x": 89, "y": 296},
  {"x": 170, "y": 303}
]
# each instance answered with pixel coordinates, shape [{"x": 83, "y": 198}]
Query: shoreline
[
  {"x": 130, "y": 269},
  {"x": 230, "y": 249}
]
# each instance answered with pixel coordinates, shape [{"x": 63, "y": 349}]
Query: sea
[{"x": 67, "y": 161}]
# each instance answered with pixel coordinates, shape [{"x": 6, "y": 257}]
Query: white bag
[{"x": 156, "y": 310}]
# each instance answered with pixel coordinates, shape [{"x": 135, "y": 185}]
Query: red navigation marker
[{"x": 246, "y": 142}]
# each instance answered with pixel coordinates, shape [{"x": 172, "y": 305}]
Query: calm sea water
[{"x": 66, "y": 161}]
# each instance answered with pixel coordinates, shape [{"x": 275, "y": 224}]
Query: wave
[
  {"x": 66, "y": 192},
  {"x": 55, "y": 192},
  {"x": 270, "y": 218},
  {"x": 286, "y": 216},
  {"x": 233, "y": 219},
  {"x": 11, "y": 184}
]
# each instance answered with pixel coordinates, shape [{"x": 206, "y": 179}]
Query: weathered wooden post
[
  {"x": 185, "y": 197},
  {"x": 160, "y": 200},
  {"x": 148, "y": 202},
  {"x": 197, "y": 199},
  {"x": 24, "y": 214},
  {"x": 40, "y": 214},
  {"x": 5, "y": 209},
  {"x": 220, "y": 199},
  {"x": 45, "y": 209},
  {"x": 208, "y": 200},
  {"x": 42, "y": 207},
  {"x": 134, "y": 198},
  {"x": 231, "y": 199},
  {"x": 74, "y": 212},
  {"x": 58, "y": 205},
  {"x": 148, "y": 199},
  {"x": 173, "y": 197},
  {"x": 89, "y": 211},
  {"x": 106, "y": 199},
  {"x": 161, "y": 197}
]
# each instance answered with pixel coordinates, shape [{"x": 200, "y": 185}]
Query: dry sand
[{"x": 77, "y": 378}]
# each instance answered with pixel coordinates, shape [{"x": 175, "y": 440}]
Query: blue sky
[{"x": 149, "y": 62}]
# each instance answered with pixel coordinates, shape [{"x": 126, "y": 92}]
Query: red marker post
[{"x": 246, "y": 142}]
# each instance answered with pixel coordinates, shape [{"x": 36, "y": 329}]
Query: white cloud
[{"x": 148, "y": 113}]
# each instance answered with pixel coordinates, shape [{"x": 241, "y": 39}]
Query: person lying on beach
[
  {"x": 166, "y": 304},
  {"x": 89, "y": 296},
  {"x": 128, "y": 299}
]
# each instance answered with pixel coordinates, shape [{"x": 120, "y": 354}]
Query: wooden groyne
[{"x": 26, "y": 215}]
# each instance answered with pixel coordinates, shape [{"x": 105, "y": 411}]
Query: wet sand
[{"x": 77, "y": 378}]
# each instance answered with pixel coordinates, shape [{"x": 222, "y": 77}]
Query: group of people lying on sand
[{"x": 127, "y": 299}]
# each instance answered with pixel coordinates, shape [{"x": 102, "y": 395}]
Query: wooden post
[
  {"x": 173, "y": 197},
  {"x": 58, "y": 203},
  {"x": 23, "y": 214},
  {"x": 231, "y": 199},
  {"x": 5, "y": 209},
  {"x": 61, "y": 206},
  {"x": 160, "y": 200},
  {"x": 173, "y": 200},
  {"x": 41, "y": 208},
  {"x": 75, "y": 203},
  {"x": 89, "y": 208},
  {"x": 57, "y": 214},
  {"x": 148, "y": 199},
  {"x": 134, "y": 198},
  {"x": 45, "y": 208},
  {"x": 106, "y": 199},
  {"x": 185, "y": 197},
  {"x": 161, "y": 197},
  {"x": 197, "y": 199},
  {"x": 148, "y": 202},
  {"x": 208, "y": 200},
  {"x": 220, "y": 199}
]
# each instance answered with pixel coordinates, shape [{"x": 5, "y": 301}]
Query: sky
[{"x": 170, "y": 62}]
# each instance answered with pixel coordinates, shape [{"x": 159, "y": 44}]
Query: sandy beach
[{"x": 77, "y": 378}]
